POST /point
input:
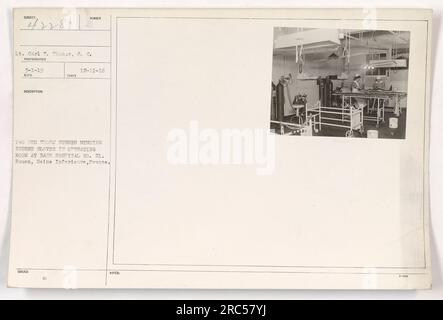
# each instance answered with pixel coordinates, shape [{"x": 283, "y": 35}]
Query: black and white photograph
[{"x": 340, "y": 83}]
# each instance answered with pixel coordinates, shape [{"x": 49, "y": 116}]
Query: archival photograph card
[{"x": 222, "y": 148}]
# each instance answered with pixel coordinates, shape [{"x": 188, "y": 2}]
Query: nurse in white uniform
[{"x": 356, "y": 88}]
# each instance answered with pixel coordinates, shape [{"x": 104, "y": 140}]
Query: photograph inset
[{"x": 340, "y": 83}]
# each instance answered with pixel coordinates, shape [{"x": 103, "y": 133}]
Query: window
[{"x": 376, "y": 71}]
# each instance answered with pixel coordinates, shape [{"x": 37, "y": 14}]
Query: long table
[{"x": 378, "y": 99}]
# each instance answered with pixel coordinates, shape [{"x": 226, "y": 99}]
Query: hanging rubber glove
[{"x": 296, "y": 54}]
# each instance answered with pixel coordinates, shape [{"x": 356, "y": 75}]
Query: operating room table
[{"x": 377, "y": 100}]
